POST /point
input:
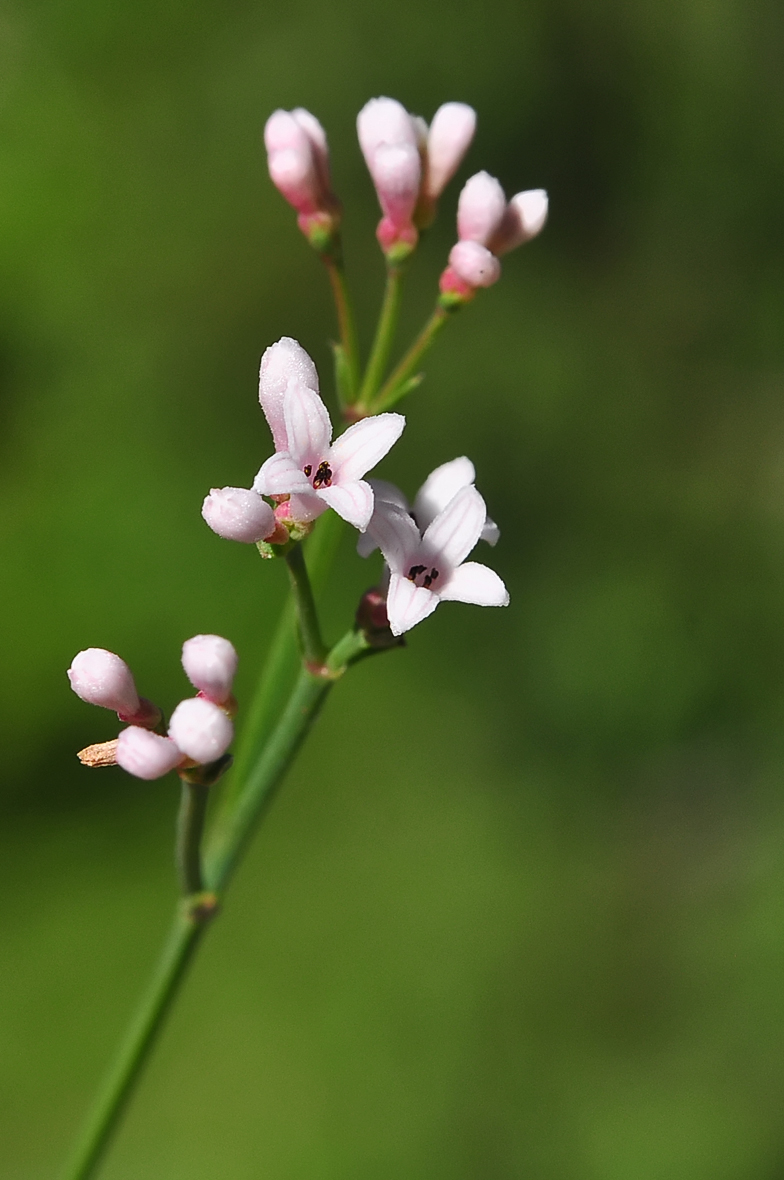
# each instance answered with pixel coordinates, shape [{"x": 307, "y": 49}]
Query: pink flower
[
  {"x": 426, "y": 568},
  {"x": 100, "y": 677},
  {"x": 238, "y": 514},
  {"x": 210, "y": 663},
  {"x": 201, "y": 730},
  {"x": 298, "y": 161},
  {"x": 147, "y": 755},
  {"x": 488, "y": 226},
  {"x": 317, "y": 473}
]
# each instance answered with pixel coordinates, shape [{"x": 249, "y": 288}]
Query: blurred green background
[{"x": 519, "y": 911}]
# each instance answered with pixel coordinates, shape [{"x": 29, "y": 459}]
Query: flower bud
[
  {"x": 474, "y": 264},
  {"x": 238, "y": 514},
  {"x": 480, "y": 209},
  {"x": 448, "y": 140},
  {"x": 524, "y": 218},
  {"x": 282, "y": 362},
  {"x": 390, "y": 141},
  {"x": 102, "y": 678},
  {"x": 201, "y": 730},
  {"x": 298, "y": 162},
  {"x": 146, "y": 755},
  {"x": 210, "y": 664}
]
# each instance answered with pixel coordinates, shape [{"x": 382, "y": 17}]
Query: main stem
[{"x": 187, "y": 929}]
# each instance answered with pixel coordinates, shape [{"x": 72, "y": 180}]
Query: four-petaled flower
[
  {"x": 317, "y": 473},
  {"x": 426, "y": 568}
]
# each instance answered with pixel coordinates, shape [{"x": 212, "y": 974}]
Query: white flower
[
  {"x": 441, "y": 486},
  {"x": 318, "y": 474},
  {"x": 426, "y": 568},
  {"x": 283, "y": 362}
]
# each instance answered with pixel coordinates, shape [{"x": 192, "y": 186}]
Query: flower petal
[
  {"x": 308, "y": 427},
  {"x": 363, "y": 445},
  {"x": 353, "y": 501},
  {"x": 306, "y": 507},
  {"x": 472, "y": 582},
  {"x": 384, "y": 492},
  {"x": 408, "y": 604},
  {"x": 396, "y": 535},
  {"x": 441, "y": 486},
  {"x": 490, "y": 532},
  {"x": 279, "y": 476},
  {"x": 455, "y": 531},
  {"x": 284, "y": 361}
]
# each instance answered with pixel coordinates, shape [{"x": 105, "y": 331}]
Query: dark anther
[
  {"x": 430, "y": 578},
  {"x": 323, "y": 476},
  {"x": 415, "y": 571},
  {"x": 308, "y": 469}
]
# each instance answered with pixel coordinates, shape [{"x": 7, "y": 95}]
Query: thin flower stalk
[
  {"x": 396, "y": 385},
  {"x": 347, "y": 387},
  {"x": 384, "y": 338}
]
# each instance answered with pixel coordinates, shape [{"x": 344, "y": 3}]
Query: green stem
[
  {"x": 346, "y": 325},
  {"x": 190, "y": 826},
  {"x": 390, "y": 391},
  {"x": 226, "y": 846},
  {"x": 280, "y": 668},
  {"x": 189, "y": 925},
  {"x": 385, "y": 334},
  {"x": 313, "y": 648}
]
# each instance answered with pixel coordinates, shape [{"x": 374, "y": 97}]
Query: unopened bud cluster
[
  {"x": 200, "y": 730},
  {"x": 410, "y": 165}
]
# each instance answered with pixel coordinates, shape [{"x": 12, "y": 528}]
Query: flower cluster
[
  {"x": 410, "y": 165},
  {"x": 200, "y": 730},
  {"x": 488, "y": 226}
]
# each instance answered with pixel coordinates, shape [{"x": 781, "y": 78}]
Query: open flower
[
  {"x": 317, "y": 473},
  {"x": 441, "y": 486},
  {"x": 426, "y": 568}
]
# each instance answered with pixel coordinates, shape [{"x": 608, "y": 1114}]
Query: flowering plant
[{"x": 314, "y": 474}]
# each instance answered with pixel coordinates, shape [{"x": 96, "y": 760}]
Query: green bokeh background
[{"x": 519, "y": 911}]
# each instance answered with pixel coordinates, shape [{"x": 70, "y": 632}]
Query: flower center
[
  {"x": 420, "y": 576},
  {"x": 323, "y": 476}
]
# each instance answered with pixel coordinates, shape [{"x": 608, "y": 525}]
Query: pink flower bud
[
  {"x": 238, "y": 514},
  {"x": 283, "y": 362},
  {"x": 390, "y": 142},
  {"x": 201, "y": 730},
  {"x": 146, "y": 755},
  {"x": 524, "y": 218},
  {"x": 298, "y": 162},
  {"x": 448, "y": 140},
  {"x": 474, "y": 264},
  {"x": 210, "y": 664},
  {"x": 102, "y": 678},
  {"x": 480, "y": 209}
]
